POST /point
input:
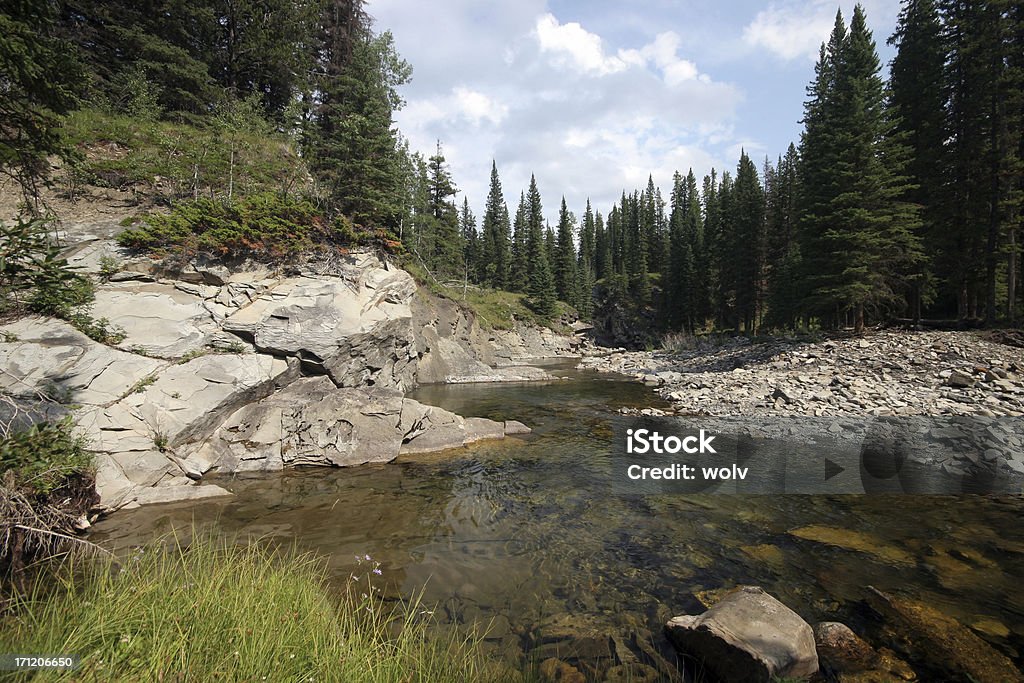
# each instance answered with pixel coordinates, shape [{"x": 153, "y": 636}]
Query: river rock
[
  {"x": 952, "y": 650},
  {"x": 364, "y": 314},
  {"x": 553, "y": 670},
  {"x": 747, "y": 636},
  {"x": 49, "y": 356},
  {"x": 858, "y": 541},
  {"x": 158, "y": 318},
  {"x": 186, "y": 402},
  {"x": 849, "y": 659}
]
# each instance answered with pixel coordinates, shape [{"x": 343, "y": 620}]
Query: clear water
[{"x": 527, "y": 529}]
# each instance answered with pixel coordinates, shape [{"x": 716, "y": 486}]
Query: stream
[{"x": 526, "y": 535}]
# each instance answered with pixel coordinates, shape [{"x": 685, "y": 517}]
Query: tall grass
[{"x": 215, "y": 611}]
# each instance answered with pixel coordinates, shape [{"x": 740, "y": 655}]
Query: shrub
[{"x": 265, "y": 226}]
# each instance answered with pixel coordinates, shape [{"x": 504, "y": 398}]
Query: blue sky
[{"x": 593, "y": 96}]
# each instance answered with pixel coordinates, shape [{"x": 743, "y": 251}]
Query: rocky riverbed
[{"x": 884, "y": 373}]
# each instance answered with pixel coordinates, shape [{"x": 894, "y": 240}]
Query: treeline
[{"x": 902, "y": 199}]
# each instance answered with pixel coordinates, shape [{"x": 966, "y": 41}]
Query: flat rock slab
[
  {"x": 747, "y": 637},
  {"x": 158, "y": 318},
  {"x": 49, "y": 355},
  {"x": 178, "y": 494},
  {"x": 186, "y": 402}
]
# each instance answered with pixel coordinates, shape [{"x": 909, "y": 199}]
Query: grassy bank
[{"x": 220, "y": 612}]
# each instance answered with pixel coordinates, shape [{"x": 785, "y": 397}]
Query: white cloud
[
  {"x": 790, "y": 32},
  {"x": 576, "y": 47},
  {"x": 590, "y": 113},
  {"x": 797, "y": 28},
  {"x": 477, "y": 106}
]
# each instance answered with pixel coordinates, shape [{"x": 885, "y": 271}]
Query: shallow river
[{"x": 527, "y": 535}]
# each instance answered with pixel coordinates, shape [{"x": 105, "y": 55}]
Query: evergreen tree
[
  {"x": 519, "y": 276},
  {"x": 565, "y": 256},
  {"x": 496, "y": 252},
  {"x": 916, "y": 95},
  {"x": 540, "y": 286},
  {"x": 781, "y": 249},
  {"x": 470, "y": 242},
  {"x": 38, "y": 85},
  {"x": 446, "y": 258},
  {"x": 747, "y": 233},
  {"x": 863, "y": 235},
  {"x": 354, "y": 149},
  {"x": 602, "y": 249}
]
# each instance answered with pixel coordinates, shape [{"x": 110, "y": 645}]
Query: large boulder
[
  {"x": 313, "y": 422},
  {"x": 338, "y": 322},
  {"x": 49, "y": 356},
  {"x": 748, "y": 636}
]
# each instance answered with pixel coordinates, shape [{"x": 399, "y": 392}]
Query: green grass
[
  {"x": 215, "y": 611},
  {"x": 495, "y": 309}
]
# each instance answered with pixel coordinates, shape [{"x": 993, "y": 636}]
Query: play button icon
[{"x": 832, "y": 469}]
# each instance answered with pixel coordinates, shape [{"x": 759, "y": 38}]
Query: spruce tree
[
  {"x": 446, "y": 257},
  {"x": 748, "y": 239},
  {"x": 496, "y": 252},
  {"x": 565, "y": 256},
  {"x": 540, "y": 285},
  {"x": 916, "y": 95},
  {"x": 470, "y": 242},
  {"x": 519, "y": 273}
]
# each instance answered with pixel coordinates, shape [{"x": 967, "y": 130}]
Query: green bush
[
  {"x": 35, "y": 278},
  {"x": 44, "y": 455},
  {"x": 218, "y": 611},
  {"x": 265, "y": 225}
]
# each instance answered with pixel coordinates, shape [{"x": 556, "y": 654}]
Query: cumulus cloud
[
  {"x": 590, "y": 113},
  {"x": 797, "y": 29}
]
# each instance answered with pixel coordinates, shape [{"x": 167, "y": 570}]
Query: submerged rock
[
  {"x": 922, "y": 633},
  {"x": 846, "y": 656},
  {"x": 857, "y": 541},
  {"x": 747, "y": 636}
]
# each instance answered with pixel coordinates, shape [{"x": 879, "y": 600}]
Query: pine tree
[
  {"x": 916, "y": 96},
  {"x": 519, "y": 275},
  {"x": 446, "y": 257},
  {"x": 540, "y": 286},
  {"x": 353, "y": 148},
  {"x": 748, "y": 239},
  {"x": 565, "y": 256},
  {"x": 862, "y": 231},
  {"x": 496, "y": 252},
  {"x": 782, "y": 253},
  {"x": 470, "y": 242},
  {"x": 39, "y": 84}
]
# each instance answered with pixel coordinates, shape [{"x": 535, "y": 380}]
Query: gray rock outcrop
[{"x": 748, "y": 636}]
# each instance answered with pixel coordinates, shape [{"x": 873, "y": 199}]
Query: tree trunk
[
  {"x": 858, "y": 324},
  {"x": 1011, "y": 277}
]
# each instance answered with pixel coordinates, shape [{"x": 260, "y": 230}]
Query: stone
[
  {"x": 553, "y": 670},
  {"x": 177, "y": 494},
  {"x": 516, "y": 427},
  {"x": 959, "y": 380},
  {"x": 857, "y": 541},
  {"x": 52, "y": 357},
  {"x": 364, "y": 313},
  {"x": 846, "y": 657},
  {"x": 747, "y": 636},
  {"x": 633, "y": 672},
  {"x": 923, "y": 633},
  {"x": 186, "y": 402},
  {"x": 158, "y": 318}
]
